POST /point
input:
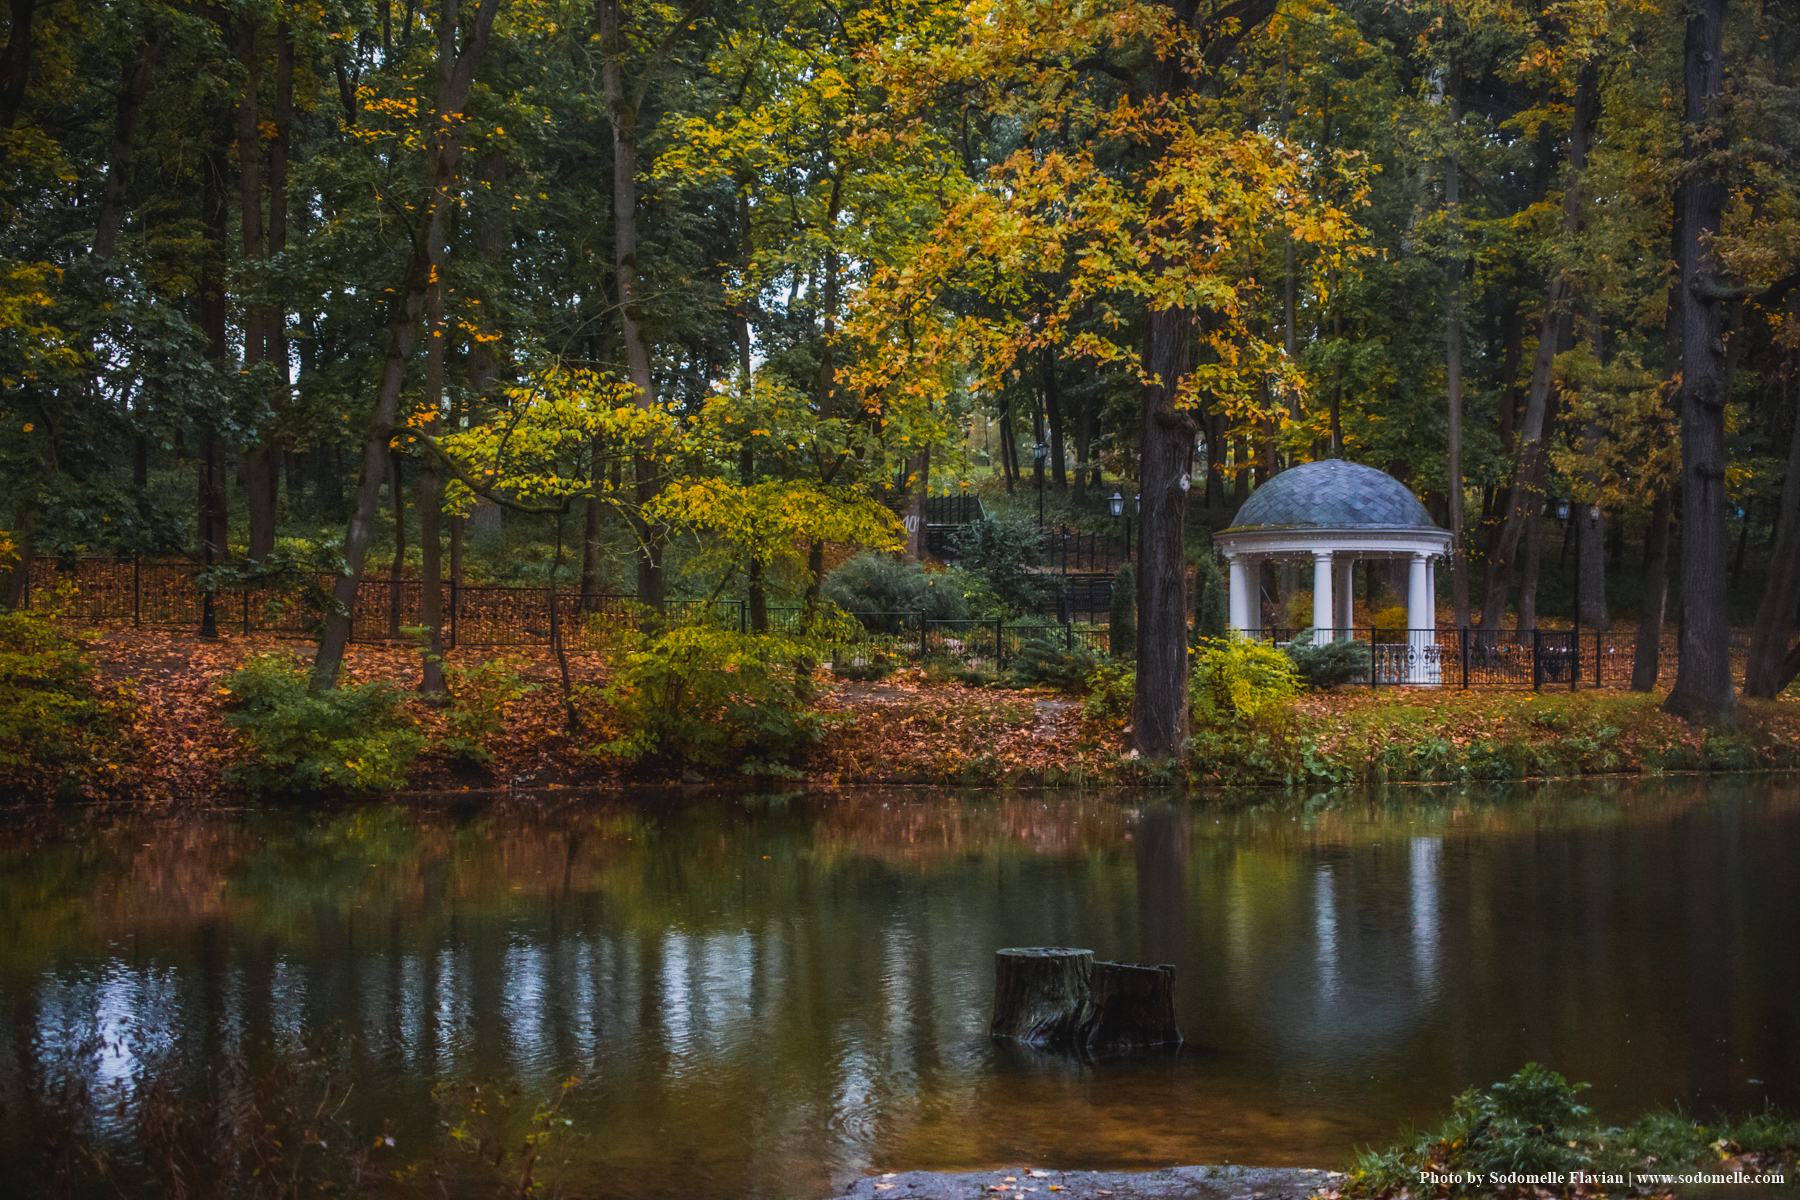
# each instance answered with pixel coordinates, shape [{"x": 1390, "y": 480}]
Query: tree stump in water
[
  {"x": 1129, "y": 1005},
  {"x": 1040, "y": 993}
]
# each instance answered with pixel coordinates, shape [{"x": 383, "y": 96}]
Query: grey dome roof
[{"x": 1333, "y": 494}]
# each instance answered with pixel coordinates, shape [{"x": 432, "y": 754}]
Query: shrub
[
  {"x": 354, "y": 738},
  {"x": 1049, "y": 662},
  {"x": 55, "y": 724},
  {"x": 1212, "y": 600},
  {"x": 875, "y": 583},
  {"x": 1002, "y": 550},
  {"x": 477, "y": 710},
  {"x": 1236, "y": 679},
  {"x": 717, "y": 698},
  {"x": 1121, "y": 630},
  {"x": 1329, "y": 665},
  {"x": 1110, "y": 690},
  {"x": 1390, "y": 624}
]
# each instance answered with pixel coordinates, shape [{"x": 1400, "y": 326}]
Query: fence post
[
  {"x": 1372, "y": 659},
  {"x": 921, "y": 635},
  {"x": 1599, "y": 656},
  {"x": 1465, "y": 656},
  {"x": 1537, "y": 659},
  {"x": 1575, "y": 655},
  {"x": 246, "y": 595}
]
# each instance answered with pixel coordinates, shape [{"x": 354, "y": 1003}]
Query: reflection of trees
[{"x": 812, "y": 974}]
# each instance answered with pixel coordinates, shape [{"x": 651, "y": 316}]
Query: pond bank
[
  {"x": 172, "y": 741},
  {"x": 1172, "y": 1183}
]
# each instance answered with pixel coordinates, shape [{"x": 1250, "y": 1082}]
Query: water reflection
[{"x": 774, "y": 998}]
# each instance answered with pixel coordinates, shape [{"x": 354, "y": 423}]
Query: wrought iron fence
[
  {"x": 1470, "y": 657},
  {"x": 484, "y": 616}
]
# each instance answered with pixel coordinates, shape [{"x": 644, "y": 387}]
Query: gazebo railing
[{"x": 1474, "y": 658}]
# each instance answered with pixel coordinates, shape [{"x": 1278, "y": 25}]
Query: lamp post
[
  {"x": 1563, "y": 510},
  {"x": 1040, "y": 452}
]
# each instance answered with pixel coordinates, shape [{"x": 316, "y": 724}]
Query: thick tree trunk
[
  {"x": 1525, "y": 494},
  {"x": 15, "y": 62},
  {"x": 403, "y": 328},
  {"x": 1159, "y": 703},
  {"x": 1647, "y": 653},
  {"x": 1040, "y": 993},
  {"x": 1009, "y": 465},
  {"x": 1703, "y": 686},
  {"x": 623, "y": 113},
  {"x": 1771, "y": 665}
]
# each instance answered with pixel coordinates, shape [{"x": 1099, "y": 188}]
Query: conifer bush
[{"x": 357, "y": 737}]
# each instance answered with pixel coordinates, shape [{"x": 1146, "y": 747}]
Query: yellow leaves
[{"x": 767, "y": 519}]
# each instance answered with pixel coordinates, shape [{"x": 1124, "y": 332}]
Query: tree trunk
[
  {"x": 1129, "y": 1006},
  {"x": 918, "y": 488},
  {"x": 1059, "y": 478},
  {"x": 1453, "y": 272},
  {"x": 1528, "y": 574},
  {"x": 1528, "y": 460},
  {"x": 1703, "y": 686},
  {"x": 623, "y": 113},
  {"x": 1159, "y": 702},
  {"x": 1771, "y": 665},
  {"x": 252, "y": 461},
  {"x": 1009, "y": 465},
  {"x": 1040, "y": 993},
  {"x": 403, "y": 327},
  {"x": 397, "y": 565},
  {"x": 1591, "y": 545},
  {"x": 1647, "y": 653},
  {"x": 15, "y": 62}
]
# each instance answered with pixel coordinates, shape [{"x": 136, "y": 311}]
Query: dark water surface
[{"x": 775, "y": 995}]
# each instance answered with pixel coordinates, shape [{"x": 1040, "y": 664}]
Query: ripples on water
[{"x": 774, "y": 995}]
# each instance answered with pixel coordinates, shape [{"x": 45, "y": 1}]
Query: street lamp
[{"x": 1040, "y": 452}]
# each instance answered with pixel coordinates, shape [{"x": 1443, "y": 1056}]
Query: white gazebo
[{"x": 1335, "y": 514}]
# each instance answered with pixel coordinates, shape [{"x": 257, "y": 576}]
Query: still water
[{"x": 771, "y": 995}]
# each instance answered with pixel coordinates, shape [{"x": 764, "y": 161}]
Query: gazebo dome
[{"x": 1332, "y": 494}]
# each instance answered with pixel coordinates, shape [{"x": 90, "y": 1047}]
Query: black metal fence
[
  {"x": 1503, "y": 658},
  {"x": 168, "y": 594}
]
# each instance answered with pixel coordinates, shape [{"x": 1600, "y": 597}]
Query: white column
[
  {"x": 1344, "y": 592},
  {"x": 1240, "y": 596},
  {"x": 1431, "y": 594},
  {"x": 1418, "y": 619},
  {"x": 1322, "y": 606}
]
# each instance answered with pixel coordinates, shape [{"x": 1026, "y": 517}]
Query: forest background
[{"x": 694, "y": 293}]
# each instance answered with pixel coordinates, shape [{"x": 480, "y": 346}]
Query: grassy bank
[
  {"x": 1535, "y": 1127},
  {"x": 160, "y": 716}
]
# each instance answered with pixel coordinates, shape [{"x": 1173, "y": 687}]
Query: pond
[{"x": 772, "y": 995}]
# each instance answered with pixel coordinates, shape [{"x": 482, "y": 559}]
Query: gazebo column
[
  {"x": 1343, "y": 592},
  {"x": 1420, "y": 618},
  {"x": 1322, "y": 606},
  {"x": 1239, "y": 566}
]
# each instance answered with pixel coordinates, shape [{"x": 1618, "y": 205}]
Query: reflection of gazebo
[{"x": 1336, "y": 514}]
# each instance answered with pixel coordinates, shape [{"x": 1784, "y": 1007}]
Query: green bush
[
  {"x": 1212, "y": 599},
  {"x": 718, "y": 698},
  {"x": 1236, "y": 679},
  {"x": 1122, "y": 620},
  {"x": 1109, "y": 694},
  {"x": 1002, "y": 550},
  {"x": 354, "y": 738},
  {"x": 1329, "y": 665},
  {"x": 55, "y": 724},
  {"x": 875, "y": 583},
  {"x": 1049, "y": 662},
  {"x": 476, "y": 713}
]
